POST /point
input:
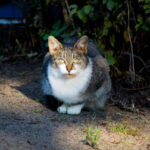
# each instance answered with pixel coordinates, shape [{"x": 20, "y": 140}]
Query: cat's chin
[{"x": 70, "y": 75}]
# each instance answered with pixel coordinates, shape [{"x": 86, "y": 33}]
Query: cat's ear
[
  {"x": 82, "y": 44},
  {"x": 54, "y": 45}
]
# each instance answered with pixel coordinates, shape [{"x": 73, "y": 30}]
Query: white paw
[
  {"x": 75, "y": 110},
  {"x": 62, "y": 109}
]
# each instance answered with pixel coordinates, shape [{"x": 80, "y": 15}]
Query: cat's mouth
[{"x": 70, "y": 75}]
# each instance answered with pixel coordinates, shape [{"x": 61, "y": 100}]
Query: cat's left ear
[{"x": 82, "y": 44}]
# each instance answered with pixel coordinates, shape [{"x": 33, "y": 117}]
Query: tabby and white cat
[{"x": 77, "y": 75}]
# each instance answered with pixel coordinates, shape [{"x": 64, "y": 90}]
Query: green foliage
[
  {"x": 104, "y": 21},
  {"x": 37, "y": 111},
  {"x": 47, "y": 1},
  {"x": 84, "y": 13},
  {"x": 38, "y": 100},
  {"x": 124, "y": 128},
  {"x": 142, "y": 22},
  {"x": 147, "y": 122},
  {"x": 110, "y": 58},
  {"x": 57, "y": 31},
  {"x": 74, "y": 9},
  {"x": 23, "y": 74},
  {"x": 92, "y": 135},
  {"x": 110, "y": 4}
]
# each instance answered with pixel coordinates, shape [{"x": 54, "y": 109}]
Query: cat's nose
[{"x": 69, "y": 68}]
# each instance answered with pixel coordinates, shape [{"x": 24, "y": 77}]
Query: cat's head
[{"x": 69, "y": 60}]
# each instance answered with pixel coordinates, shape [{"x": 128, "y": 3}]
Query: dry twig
[
  {"x": 140, "y": 59},
  {"x": 131, "y": 67},
  {"x": 69, "y": 12}
]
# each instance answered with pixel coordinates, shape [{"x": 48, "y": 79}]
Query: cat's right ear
[{"x": 54, "y": 45}]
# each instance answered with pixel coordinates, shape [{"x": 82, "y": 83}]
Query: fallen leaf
[
  {"x": 46, "y": 147},
  {"x": 115, "y": 142},
  {"x": 30, "y": 142},
  {"x": 35, "y": 122},
  {"x": 148, "y": 146},
  {"x": 15, "y": 118}
]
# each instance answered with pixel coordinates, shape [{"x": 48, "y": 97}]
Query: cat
[{"x": 76, "y": 74}]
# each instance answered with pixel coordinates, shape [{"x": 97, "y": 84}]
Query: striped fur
[{"x": 76, "y": 75}]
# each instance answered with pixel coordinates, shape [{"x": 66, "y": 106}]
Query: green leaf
[
  {"x": 38, "y": 111},
  {"x": 104, "y": 31},
  {"x": 47, "y": 2},
  {"x": 54, "y": 33},
  {"x": 37, "y": 100},
  {"x": 147, "y": 1},
  {"x": 137, "y": 26},
  {"x": 23, "y": 74},
  {"x": 101, "y": 45},
  {"x": 140, "y": 19},
  {"x": 107, "y": 23},
  {"x": 74, "y": 6},
  {"x": 109, "y": 53},
  {"x": 147, "y": 8},
  {"x": 82, "y": 16},
  {"x": 110, "y": 4},
  {"x": 112, "y": 40},
  {"x": 59, "y": 31},
  {"x": 56, "y": 25},
  {"x": 109, "y": 56},
  {"x": 63, "y": 28},
  {"x": 45, "y": 37},
  {"x": 104, "y": 1},
  {"x": 111, "y": 60},
  {"x": 46, "y": 45},
  {"x": 88, "y": 9},
  {"x": 145, "y": 27},
  {"x": 73, "y": 11}
]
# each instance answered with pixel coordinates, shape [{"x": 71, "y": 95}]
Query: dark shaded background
[{"x": 108, "y": 23}]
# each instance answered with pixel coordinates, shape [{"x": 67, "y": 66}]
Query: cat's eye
[
  {"x": 61, "y": 60},
  {"x": 75, "y": 60}
]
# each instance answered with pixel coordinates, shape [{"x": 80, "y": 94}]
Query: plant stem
[
  {"x": 68, "y": 8},
  {"x": 131, "y": 67}
]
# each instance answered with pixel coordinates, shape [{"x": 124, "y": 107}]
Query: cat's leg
[
  {"x": 51, "y": 102},
  {"x": 71, "y": 110},
  {"x": 101, "y": 101},
  {"x": 75, "y": 109},
  {"x": 101, "y": 96},
  {"x": 62, "y": 109}
]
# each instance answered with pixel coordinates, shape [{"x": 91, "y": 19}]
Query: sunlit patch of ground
[{"x": 26, "y": 124}]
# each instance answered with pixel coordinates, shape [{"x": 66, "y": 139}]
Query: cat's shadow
[{"x": 33, "y": 91}]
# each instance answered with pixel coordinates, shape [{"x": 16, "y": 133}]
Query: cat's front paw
[
  {"x": 75, "y": 110},
  {"x": 62, "y": 109}
]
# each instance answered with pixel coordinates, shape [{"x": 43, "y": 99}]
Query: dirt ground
[{"x": 26, "y": 124}]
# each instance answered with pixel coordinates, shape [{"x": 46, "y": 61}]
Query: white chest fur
[{"x": 68, "y": 90}]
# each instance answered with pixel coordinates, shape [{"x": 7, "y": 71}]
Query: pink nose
[{"x": 69, "y": 68}]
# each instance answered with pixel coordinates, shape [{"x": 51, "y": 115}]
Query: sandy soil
[{"x": 26, "y": 124}]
